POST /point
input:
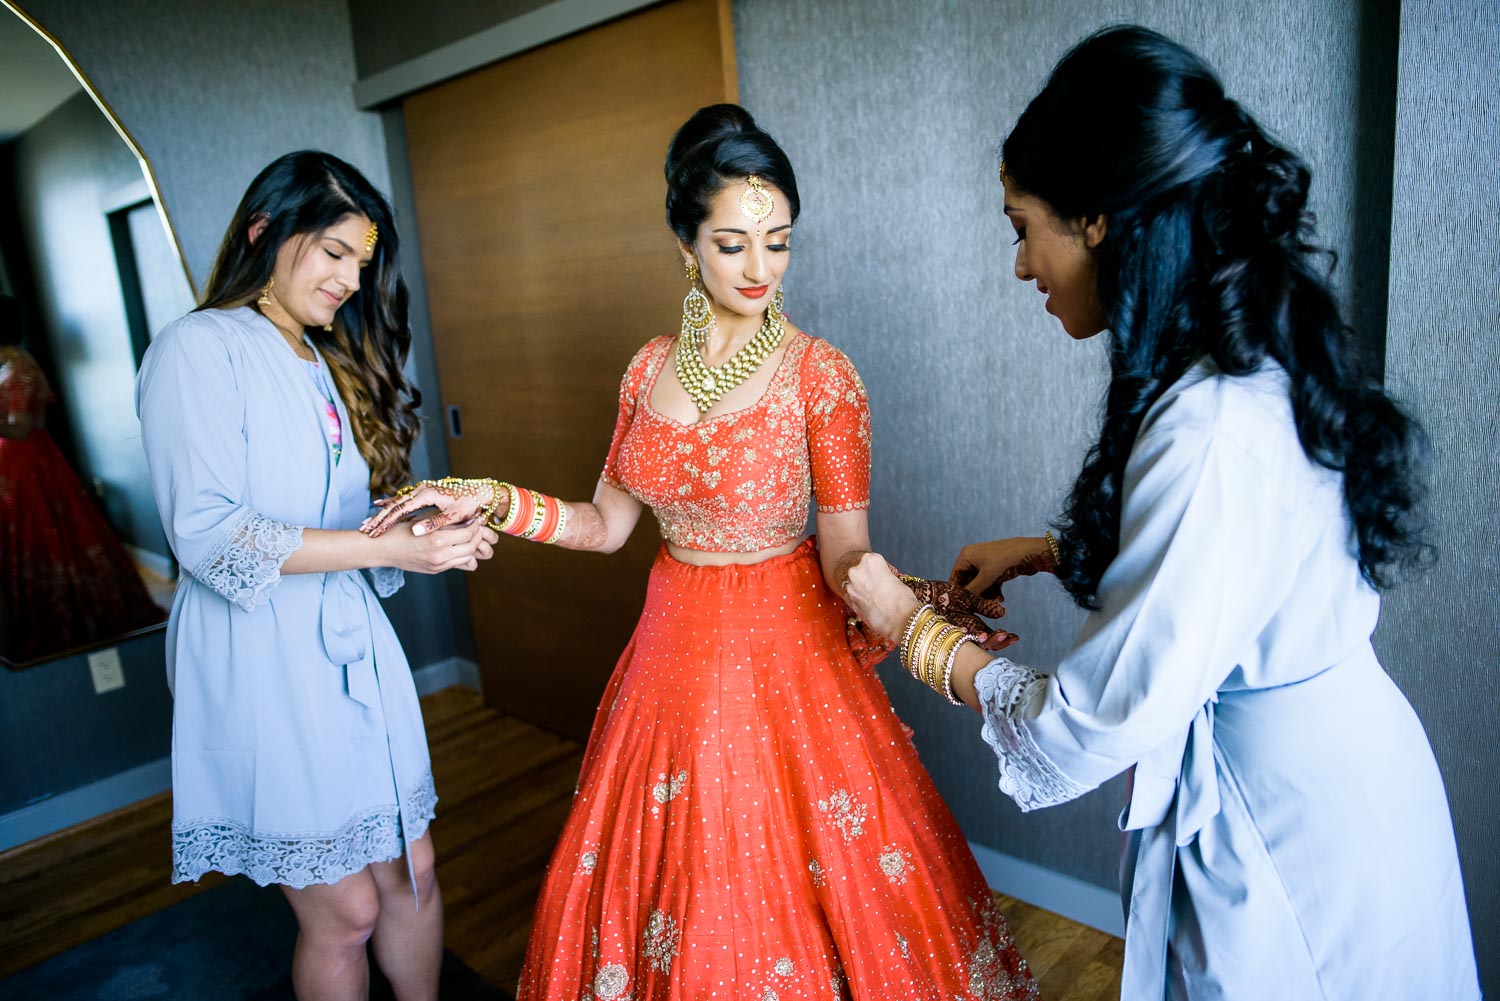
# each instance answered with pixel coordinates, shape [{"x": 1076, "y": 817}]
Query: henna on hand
[{"x": 956, "y": 604}]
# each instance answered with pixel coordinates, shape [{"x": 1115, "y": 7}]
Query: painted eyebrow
[
  {"x": 741, "y": 232},
  {"x": 1011, "y": 210},
  {"x": 341, "y": 243}
]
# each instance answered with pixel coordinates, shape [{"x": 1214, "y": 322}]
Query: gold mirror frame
[
  {"x": 120, "y": 129},
  {"x": 149, "y": 175}
]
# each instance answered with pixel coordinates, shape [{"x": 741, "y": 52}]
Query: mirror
[{"x": 89, "y": 270}]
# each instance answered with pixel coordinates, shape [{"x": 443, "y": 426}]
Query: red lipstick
[{"x": 754, "y": 292}]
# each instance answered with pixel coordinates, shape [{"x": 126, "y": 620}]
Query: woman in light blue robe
[
  {"x": 1288, "y": 833},
  {"x": 298, "y": 751}
]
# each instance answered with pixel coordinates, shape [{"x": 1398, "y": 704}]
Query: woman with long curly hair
[
  {"x": 269, "y": 414},
  {"x": 1250, "y": 493}
]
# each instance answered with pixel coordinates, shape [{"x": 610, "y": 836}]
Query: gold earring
[
  {"x": 265, "y": 294},
  {"x": 697, "y": 315},
  {"x": 690, "y": 268}
]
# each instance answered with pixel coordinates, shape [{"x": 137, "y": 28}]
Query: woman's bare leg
[
  {"x": 408, "y": 939},
  {"x": 334, "y": 923}
]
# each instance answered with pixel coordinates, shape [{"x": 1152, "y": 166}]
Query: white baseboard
[
  {"x": 441, "y": 674},
  {"x": 1073, "y": 898},
  {"x": 77, "y": 805}
]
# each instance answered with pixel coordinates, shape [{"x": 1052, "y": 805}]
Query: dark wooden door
[{"x": 539, "y": 196}]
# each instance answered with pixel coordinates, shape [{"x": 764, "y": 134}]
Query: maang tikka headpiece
[
  {"x": 756, "y": 202},
  {"x": 371, "y": 237}
]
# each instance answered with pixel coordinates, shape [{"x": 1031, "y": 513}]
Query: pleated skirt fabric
[{"x": 752, "y": 820}]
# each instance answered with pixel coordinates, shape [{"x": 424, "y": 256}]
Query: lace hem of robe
[
  {"x": 387, "y": 580},
  {"x": 299, "y": 860},
  {"x": 1027, "y": 775},
  {"x": 246, "y": 563}
]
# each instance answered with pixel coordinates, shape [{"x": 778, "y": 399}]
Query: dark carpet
[{"x": 231, "y": 943}]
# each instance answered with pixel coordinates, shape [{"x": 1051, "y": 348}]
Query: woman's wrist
[
  {"x": 972, "y": 658},
  {"x": 380, "y": 552},
  {"x": 1053, "y": 554}
]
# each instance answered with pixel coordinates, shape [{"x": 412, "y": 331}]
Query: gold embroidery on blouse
[{"x": 814, "y": 413}]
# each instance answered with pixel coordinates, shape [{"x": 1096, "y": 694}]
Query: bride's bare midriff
[{"x": 698, "y": 557}]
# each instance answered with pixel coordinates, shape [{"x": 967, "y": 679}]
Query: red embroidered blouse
[{"x": 742, "y": 481}]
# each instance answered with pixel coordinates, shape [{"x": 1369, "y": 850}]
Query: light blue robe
[
  {"x": 1289, "y": 836},
  {"x": 298, "y": 751}
]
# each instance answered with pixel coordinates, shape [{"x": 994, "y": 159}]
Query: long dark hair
[
  {"x": 719, "y": 144},
  {"x": 1207, "y": 253},
  {"x": 304, "y": 193}
]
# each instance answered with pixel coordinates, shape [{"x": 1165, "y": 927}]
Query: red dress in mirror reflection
[
  {"x": 65, "y": 579},
  {"x": 751, "y": 821}
]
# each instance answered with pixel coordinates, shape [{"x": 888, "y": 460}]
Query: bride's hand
[
  {"x": 983, "y": 568},
  {"x": 457, "y": 501},
  {"x": 878, "y": 596}
]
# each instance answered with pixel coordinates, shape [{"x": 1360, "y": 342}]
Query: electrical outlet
[{"x": 107, "y": 671}]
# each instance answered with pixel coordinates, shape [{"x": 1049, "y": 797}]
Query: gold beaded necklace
[{"x": 707, "y": 386}]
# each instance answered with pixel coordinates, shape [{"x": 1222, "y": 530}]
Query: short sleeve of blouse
[
  {"x": 838, "y": 429},
  {"x": 636, "y": 377}
]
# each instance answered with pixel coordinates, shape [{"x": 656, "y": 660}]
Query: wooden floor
[{"x": 506, "y": 788}]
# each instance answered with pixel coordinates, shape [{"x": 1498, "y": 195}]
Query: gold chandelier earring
[
  {"x": 697, "y": 311},
  {"x": 265, "y": 294}
]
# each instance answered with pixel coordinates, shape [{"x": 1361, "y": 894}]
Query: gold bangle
[
  {"x": 930, "y": 636},
  {"x": 911, "y": 626},
  {"x": 512, "y": 511},
  {"x": 1052, "y": 546},
  {"x": 562, "y": 525},
  {"x": 919, "y": 620},
  {"x": 913, "y": 653},
  {"x": 929, "y": 632},
  {"x": 538, "y": 515},
  {"x": 947, "y": 690},
  {"x": 936, "y": 653}
]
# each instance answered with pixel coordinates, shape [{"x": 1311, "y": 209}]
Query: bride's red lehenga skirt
[{"x": 752, "y": 821}]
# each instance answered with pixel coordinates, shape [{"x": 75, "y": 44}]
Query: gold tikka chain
[{"x": 707, "y": 386}]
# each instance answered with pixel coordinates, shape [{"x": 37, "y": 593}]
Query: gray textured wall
[
  {"x": 1440, "y": 639},
  {"x": 69, "y": 167},
  {"x": 892, "y": 113},
  {"x": 211, "y": 93},
  {"x": 389, "y": 32}
]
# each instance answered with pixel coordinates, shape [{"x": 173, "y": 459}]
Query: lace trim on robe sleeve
[
  {"x": 246, "y": 563},
  {"x": 1008, "y": 694},
  {"x": 386, "y": 580}
]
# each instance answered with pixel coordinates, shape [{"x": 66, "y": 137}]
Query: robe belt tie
[
  {"x": 346, "y": 635},
  {"x": 1174, "y": 794}
]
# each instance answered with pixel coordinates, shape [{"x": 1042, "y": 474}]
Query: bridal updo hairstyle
[
  {"x": 1208, "y": 253},
  {"x": 719, "y": 144}
]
